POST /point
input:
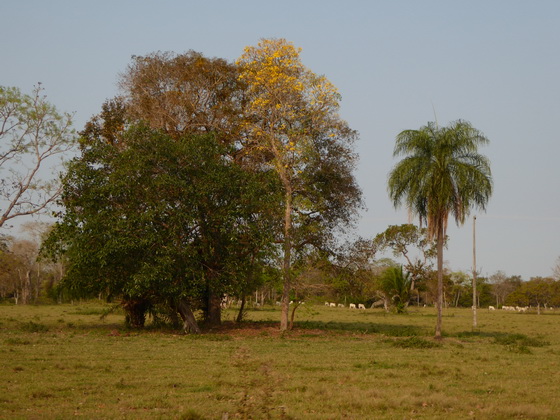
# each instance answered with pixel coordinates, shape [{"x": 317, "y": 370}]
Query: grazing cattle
[
  {"x": 491, "y": 308},
  {"x": 352, "y": 306},
  {"x": 327, "y": 304},
  {"x": 332, "y": 305},
  {"x": 361, "y": 306},
  {"x": 341, "y": 305}
]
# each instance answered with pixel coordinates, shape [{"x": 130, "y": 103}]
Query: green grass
[{"x": 64, "y": 361}]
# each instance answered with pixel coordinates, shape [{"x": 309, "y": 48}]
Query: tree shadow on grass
[
  {"x": 271, "y": 328},
  {"x": 505, "y": 338},
  {"x": 391, "y": 330}
]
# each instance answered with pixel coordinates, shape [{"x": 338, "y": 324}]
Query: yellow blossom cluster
[{"x": 286, "y": 100}]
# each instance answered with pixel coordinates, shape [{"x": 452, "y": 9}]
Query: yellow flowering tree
[{"x": 292, "y": 125}]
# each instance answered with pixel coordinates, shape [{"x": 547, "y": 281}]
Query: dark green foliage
[
  {"x": 538, "y": 291},
  {"x": 160, "y": 219}
]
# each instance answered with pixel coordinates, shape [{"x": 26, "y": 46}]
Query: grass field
[{"x": 64, "y": 361}]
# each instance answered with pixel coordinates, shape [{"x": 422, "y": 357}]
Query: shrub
[
  {"x": 34, "y": 327},
  {"x": 415, "y": 343}
]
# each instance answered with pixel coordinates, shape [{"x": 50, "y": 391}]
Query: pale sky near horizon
[{"x": 397, "y": 64}]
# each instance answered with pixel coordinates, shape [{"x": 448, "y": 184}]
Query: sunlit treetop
[{"x": 289, "y": 106}]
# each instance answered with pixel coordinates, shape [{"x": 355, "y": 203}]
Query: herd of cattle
[
  {"x": 511, "y": 308},
  {"x": 228, "y": 302},
  {"x": 342, "y": 305},
  {"x": 517, "y": 308}
]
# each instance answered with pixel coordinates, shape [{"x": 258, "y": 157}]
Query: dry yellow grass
[{"x": 63, "y": 361}]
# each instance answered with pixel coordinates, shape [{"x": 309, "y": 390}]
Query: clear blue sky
[{"x": 495, "y": 63}]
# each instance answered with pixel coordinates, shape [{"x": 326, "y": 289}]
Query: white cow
[
  {"x": 341, "y": 305},
  {"x": 332, "y": 305},
  {"x": 361, "y": 306},
  {"x": 352, "y": 306},
  {"x": 491, "y": 308}
]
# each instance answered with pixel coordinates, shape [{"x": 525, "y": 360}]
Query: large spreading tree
[
  {"x": 441, "y": 174},
  {"x": 292, "y": 125},
  {"x": 158, "y": 221},
  {"x": 278, "y": 130},
  {"x": 188, "y": 95}
]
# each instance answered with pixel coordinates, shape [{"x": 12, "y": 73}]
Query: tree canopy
[{"x": 184, "y": 94}]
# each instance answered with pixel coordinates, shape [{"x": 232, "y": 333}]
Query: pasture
[{"x": 64, "y": 361}]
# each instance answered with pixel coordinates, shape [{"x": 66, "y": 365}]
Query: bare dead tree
[{"x": 32, "y": 136}]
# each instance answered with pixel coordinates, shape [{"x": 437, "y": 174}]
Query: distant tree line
[{"x": 353, "y": 273}]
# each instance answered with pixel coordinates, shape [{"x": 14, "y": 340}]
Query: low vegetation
[{"x": 64, "y": 361}]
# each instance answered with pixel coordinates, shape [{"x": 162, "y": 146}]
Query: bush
[
  {"x": 34, "y": 327},
  {"x": 415, "y": 343}
]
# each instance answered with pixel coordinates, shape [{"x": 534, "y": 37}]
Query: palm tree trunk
[
  {"x": 475, "y": 303},
  {"x": 439, "y": 279}
]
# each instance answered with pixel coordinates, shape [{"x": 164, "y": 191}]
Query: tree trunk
[
  {"x": 241, "y": 312},
  {"x": 214, "y": 315},
  {"x": 286, "y": 269},
  {"x": 38, "y": 282},
  {"x": 25, "y": 281},
  {"x": 135, "y": 312},
  {"x": 296, "y": 304},
  {"x": 439, "y": 279},
  {"x": 189, "y": 322}
]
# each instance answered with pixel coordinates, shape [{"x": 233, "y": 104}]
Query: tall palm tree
[{"x": 441, "y": 173}]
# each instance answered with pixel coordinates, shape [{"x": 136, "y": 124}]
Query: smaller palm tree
[{"x": 396, "y": 285}]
